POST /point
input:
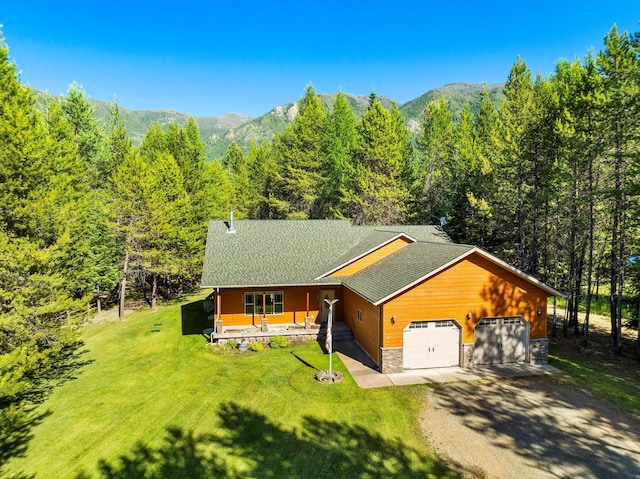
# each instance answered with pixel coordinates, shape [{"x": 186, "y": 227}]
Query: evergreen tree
[
  {"x": 39, "y": 171},
  {"x": 481, "y": 220},
  {"x": 619, "y": 68},
  {"x": 300, "y": 151},
  {"x": 341, "y": 130},
  {"x": 377, "y": 191},
  {"x": 132, "y": 181},
  {"x": 169, "y": 245},
  {"x": 578, "y": 87},
  {"x": 217, "y": 192},
  {"x": 80, "y": 114},
  {"x": 261, "y": 167},
  {"x": 236, "y": 167},
  {"x": 437, "y": 169},
  {"x": 515, "y": 163},
  {"x": 115, "y": 147}
]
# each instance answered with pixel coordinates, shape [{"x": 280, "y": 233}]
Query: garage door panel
[
  {"x": 431, "y": 344},
  {"x": 500, "y": 340},
  {"x": 513, "y": 343}
]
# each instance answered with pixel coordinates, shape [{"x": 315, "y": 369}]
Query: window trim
[{"x": 256, "y": 301}]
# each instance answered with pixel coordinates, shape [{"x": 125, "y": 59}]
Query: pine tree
[
  {"x": 377, "y": 191},
  {"x": 300, "y": 154},
  {"x": 236, "y": 166},
  {"x": 217, "y": 193},
  {"x": 39, "y": 172},
  {"x": 437, "y": 169},
  {"x": 168, "y": 243},
  {"x": 515, "y": 163},
  {"x": 132, "y": 181},
  {"x": 115, "y": 147},
  {"x": 578, "y": 87},
  {"x": 618, "y": 65},
  {"x": 261, "y": 168},
  {"x": 340, "y": 141}
]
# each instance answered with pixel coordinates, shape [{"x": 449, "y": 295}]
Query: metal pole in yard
[{"x": 329, "y": 341}]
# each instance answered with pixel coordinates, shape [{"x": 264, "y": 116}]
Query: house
[{"x": 412, "y": 298}]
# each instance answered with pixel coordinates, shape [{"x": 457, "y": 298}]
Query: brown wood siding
[
  {"x": 475, "y": 285},
  {"x": 295, "y": 305},
  {"x": 366, "y": 332},
  {"x": 372, "y": 257}
]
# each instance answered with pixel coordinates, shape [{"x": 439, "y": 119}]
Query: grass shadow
[
  {"x": 248, "y": 444},
  {"x": 306, "y": 363},
  {"x": 15, "y": 434},
  {"x": 194, "y": 319},
  {"x": 18, "y": 414}
]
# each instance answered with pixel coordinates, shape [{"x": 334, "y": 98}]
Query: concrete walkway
[{"x": 366, "y": 375}]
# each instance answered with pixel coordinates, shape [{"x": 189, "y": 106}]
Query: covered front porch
[
  {"x": 295, "y": 333},
  {"x": 281, "y": 307}
]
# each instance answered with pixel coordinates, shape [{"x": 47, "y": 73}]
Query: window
[
  {"x": 359, "y": 315},
  {"x": 273, "y": 303}
]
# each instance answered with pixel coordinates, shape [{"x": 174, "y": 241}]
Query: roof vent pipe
[{"x": 231, "y": 229}]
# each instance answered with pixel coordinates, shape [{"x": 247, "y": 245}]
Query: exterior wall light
[
  {"x": 539, "y": 312},
  {"x": 393, "y": 320},
  {"x": 469, "y": 316}
]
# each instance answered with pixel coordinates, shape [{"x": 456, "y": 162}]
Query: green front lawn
[{"x": 164, "y": 404}]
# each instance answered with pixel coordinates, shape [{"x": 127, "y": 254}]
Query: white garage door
[
  {"x": 500, "y": 340},
  {"x": 431, "y": 344}
]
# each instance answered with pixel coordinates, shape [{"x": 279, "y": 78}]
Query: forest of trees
[{"x": 548, "y": 180}]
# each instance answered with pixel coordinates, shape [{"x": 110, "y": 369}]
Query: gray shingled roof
[
  {"x": 282, "y": 252},
  {"x": 403, "y": 268}
]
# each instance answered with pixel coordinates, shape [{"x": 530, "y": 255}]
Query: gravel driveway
[{"x": 535, "y": 427}]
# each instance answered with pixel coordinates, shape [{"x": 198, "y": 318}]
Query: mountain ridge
[{"x": 219, "y": 131}]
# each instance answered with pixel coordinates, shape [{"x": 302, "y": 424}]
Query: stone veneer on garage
[
  {"x": 539, "y": 351},
  {"x": 467, "y": 355},
  {"x": 391, "y": 360}
]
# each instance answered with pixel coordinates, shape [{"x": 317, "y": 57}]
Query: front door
[{"x": 323, "y": 307}]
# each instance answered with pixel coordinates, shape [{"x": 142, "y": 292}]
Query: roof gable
[
  {"x": 417, "y": 263},
  {"x": 369, "y": 245},
  {"x": 403, "y": 269}
]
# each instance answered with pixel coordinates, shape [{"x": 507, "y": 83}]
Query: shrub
[
  {"x": 278, "y": 342},
  {"x": 255, "y": 346},
  {"x": 231, "y": 345}
]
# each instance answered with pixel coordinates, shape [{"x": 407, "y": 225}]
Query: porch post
[
  {"x": 307, "y": 302},
  {"x": 218, "y": 303}
]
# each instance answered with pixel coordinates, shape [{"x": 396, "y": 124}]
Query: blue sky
[{"x": 249, "y": 56}]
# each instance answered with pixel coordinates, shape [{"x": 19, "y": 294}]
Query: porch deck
[{"x": 295, "y": 333}]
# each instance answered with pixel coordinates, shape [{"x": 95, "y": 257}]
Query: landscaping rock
[{"x": 324, "y": 377}]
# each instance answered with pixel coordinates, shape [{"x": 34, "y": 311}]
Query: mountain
[
  {"x": 219, "y": 131},
  {"x": 137, "y": 122},
  {"x": 266, "y": 126},
  {"x": 457, "y": 94}
]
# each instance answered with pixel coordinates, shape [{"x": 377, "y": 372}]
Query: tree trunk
[
  {"x": 578, "y": 287},
  {"x": 617, "y": 246},
  {"x": 638, "y": 339},
  {"x": 521, "y": 228},
  {"x": 154, "y": 292},
  {"x": 585, "y": 326},
  {"x": 123, "y": 285}
]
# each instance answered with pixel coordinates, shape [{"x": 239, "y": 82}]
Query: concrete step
[{"x": 340, "y": 332}]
